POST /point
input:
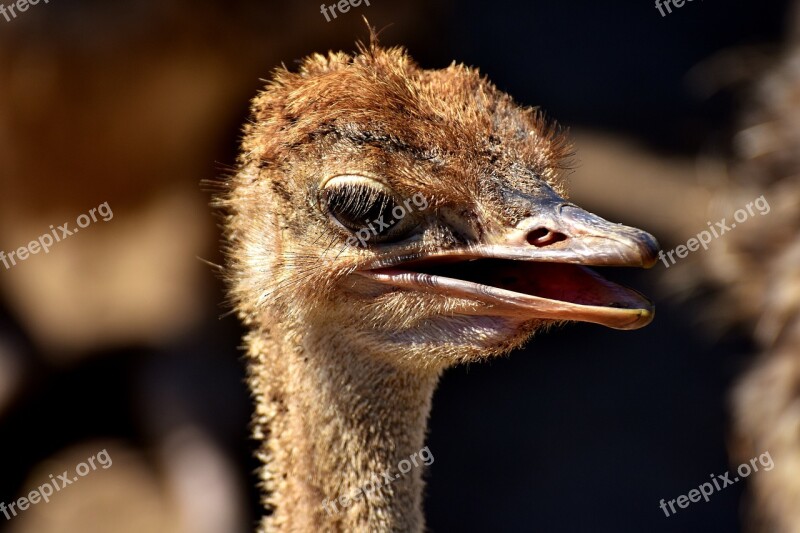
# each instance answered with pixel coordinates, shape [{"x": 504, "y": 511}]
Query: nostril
[{"x": 544, "y": 237}]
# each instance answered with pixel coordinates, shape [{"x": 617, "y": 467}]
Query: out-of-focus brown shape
[
  {"x": 125, "y": 498},
  {"x": 119, "y": 114},
  {"x": 132, "y": 279},
  {"x": 767, "y": 254},
  {"x": 629, "y": 181},
  {"x": 133, "y": 104}
]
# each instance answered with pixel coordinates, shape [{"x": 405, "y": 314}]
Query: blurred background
[{"x": 116, "y": 338}]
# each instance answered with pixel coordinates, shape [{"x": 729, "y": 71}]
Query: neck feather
[{"x": 338, "y": 426}]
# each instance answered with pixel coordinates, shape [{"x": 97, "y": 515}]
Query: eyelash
[
  {"x": 359, "y": 204},
  {"x": 360, "y": 207}
]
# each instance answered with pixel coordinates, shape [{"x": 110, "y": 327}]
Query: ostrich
[{"x": 470, "y": 248}]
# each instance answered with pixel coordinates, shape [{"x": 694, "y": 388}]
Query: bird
[{"x": 385, "y": 222}]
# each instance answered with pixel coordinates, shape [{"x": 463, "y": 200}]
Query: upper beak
[
  {"x": 536, "y": 269},
  {"x": 568, "y": 234}
]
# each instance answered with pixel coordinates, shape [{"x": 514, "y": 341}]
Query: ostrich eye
[{"x": 366, "y": 207}]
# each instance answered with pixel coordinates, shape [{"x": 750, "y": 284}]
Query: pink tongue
[{"x": 558, "y": 281}]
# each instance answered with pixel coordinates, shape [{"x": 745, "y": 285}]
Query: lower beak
[{"x": 537, "y": 270}]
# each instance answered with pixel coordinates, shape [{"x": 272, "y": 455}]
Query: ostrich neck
[{"x": 335, "y": 424}]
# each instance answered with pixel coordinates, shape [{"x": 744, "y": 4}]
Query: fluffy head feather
[{"x": 449, "y": 133}]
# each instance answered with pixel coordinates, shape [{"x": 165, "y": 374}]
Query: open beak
[{"x": 537, "y": 269}]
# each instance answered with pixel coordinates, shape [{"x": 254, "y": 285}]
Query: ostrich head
[{"x": 421, "y": 212}]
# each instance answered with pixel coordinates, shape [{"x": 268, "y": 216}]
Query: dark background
[{"x": 584, "y": 430}]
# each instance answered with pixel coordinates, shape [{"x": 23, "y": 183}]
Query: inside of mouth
[{"x": 554, "y": 281}]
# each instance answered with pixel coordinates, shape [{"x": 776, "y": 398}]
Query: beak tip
[
  {"x": 648, "y": 249},
  {"x": 643, "y": 318}
]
